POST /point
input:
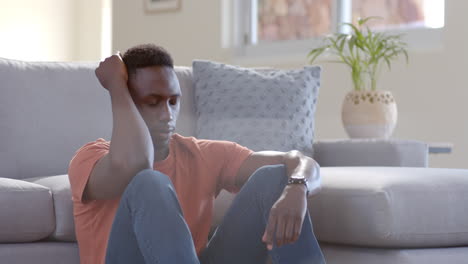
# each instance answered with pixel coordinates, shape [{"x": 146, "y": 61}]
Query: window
[
  {"x": 401, "y": 13},
  {"x": 287, "y": 20},
  {"x": 279, "y": 25}
]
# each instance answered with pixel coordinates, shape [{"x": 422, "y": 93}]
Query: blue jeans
[{"x": 149, "y": 226}]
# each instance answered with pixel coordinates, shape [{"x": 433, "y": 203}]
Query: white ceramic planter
[{"x": 369, "y": 114}]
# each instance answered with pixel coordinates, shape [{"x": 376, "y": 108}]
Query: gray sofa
[{"x": 386, "y": 206}]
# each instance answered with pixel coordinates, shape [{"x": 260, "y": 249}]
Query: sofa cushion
[
  {"x": 40, "y": 253},
  {"x": 371, "y": 152},
  {"x": 63, "y": 206},
  {"x": 259, "y": 109},
  {"x": 392, "y": 207},
  {"x": 27, "y": 212},
  {"x": 43, "y": 105},
  {"x": 338, "y": 254}
]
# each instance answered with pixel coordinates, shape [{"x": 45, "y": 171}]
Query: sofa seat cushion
[
  {"x": 27, "y": 211},
  {"x": 392, "y": 207},
  {"x": 40, "y": 253},
  {"x": 63, "y": 206},
  {"x": 339, "y": 254}
]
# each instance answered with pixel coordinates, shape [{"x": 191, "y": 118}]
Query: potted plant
[{"x": 366, "y": 111}]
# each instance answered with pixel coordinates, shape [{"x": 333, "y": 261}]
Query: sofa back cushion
[
  {"x": 47, "y": 111},
  {"x": 50, "y": 109}
]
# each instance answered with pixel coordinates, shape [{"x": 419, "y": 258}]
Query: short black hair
[{"x": 146, "y": 55}]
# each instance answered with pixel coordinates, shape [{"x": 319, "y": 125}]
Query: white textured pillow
[{"x": 259, "y": 109}]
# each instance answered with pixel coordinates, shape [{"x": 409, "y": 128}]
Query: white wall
[
  {"x": 50, "y": 30},
  {"x": 192, "y": 32},
  {"x": 38, "y": 30},
  {"x": 89, "y": 30},
  {"x": 431, "y": 91}
]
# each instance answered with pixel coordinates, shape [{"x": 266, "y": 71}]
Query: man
[{"x": 147, "y": 195}]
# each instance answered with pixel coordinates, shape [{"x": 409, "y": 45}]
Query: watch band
[{"x": 299, "y": 181}]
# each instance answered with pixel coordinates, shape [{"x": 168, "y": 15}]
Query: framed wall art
[{"x": 162, "y": 5}]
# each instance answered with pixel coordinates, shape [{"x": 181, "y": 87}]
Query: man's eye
[{"x": 173, "y": 101}]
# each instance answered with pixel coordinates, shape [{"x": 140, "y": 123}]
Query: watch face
[{"x": 297, "y": 180}]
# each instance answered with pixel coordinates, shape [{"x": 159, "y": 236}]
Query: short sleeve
[
  {"x": 82, "y": 164},
  {"x": 234, "y": 156}
]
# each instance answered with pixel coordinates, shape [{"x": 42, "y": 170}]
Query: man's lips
[{"x": 164, "y": 130}]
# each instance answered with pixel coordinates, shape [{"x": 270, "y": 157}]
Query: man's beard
[{"x": 161, "y": 141}]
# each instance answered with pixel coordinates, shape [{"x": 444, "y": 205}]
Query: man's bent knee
[
  {"x": 147, "y": 180},
  {"x": 269, "y": 178},
  {"x": 274, "y": 174}
]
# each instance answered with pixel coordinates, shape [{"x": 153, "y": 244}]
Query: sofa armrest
[
  {"x": 26, "y": 212},
  {"x": 59, "y": 186},
  {"x": 371, "y": 152}
]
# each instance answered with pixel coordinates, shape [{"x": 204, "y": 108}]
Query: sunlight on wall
[
  {"x": 17, "y": 42},
  {"x": 55, "y": 30},
  {"x": 106, "y": 29},
  {"x": 37, "y": 30}
]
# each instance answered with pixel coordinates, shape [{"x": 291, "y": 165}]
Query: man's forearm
[{"x": 131, "y": 145}]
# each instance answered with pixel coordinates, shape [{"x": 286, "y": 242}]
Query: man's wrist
[
  {"x": 299, "y": 181},
  {"x": 117, "y": 86},
  {"x": 297, "y": 188}
]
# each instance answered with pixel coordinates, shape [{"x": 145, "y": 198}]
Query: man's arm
[
  {"x": 295, "y": 162},
  {"x": 288, "y": 212},
  {"x": 131, "y": 147}
]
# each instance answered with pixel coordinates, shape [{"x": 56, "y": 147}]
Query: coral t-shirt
[{"x": 198, "y": 169}]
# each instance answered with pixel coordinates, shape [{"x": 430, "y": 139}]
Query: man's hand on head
[{"x": 112, "y": 72}]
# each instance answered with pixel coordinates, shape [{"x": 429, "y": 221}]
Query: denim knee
[
  {"x": 269, "y": 179},
  {"x": 149, "y": 182}
]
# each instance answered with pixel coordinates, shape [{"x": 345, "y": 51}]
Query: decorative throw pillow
[{"x": 262, "y": 109}]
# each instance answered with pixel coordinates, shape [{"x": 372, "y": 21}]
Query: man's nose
[{"x": 166, "y": 112}]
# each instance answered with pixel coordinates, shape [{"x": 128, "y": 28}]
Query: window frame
[{"x": 290, "y": 51}]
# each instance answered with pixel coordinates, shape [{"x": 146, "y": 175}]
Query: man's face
[{"x": 156, "y": 93}]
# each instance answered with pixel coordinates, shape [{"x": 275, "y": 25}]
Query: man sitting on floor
[{"x": 147, "y": 195}]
